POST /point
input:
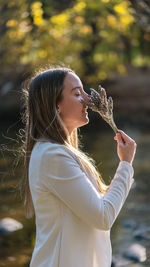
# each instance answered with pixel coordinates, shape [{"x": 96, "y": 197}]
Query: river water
[{"x": 16, "y": 248}]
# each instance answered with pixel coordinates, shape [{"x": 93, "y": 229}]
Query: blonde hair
[{"x": 42, "y": 120}]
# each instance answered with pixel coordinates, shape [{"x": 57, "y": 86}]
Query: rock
[
  {"x": 9, "y": 225},
  {"x": 118, "y": 261},
  {"x": 114, "y": 262},
  {"x": 129, "y": 224},
  {"x": 6, "y": 88},
  {"x": 143, "y": 233},
  {"x": 136, "y": 253}
]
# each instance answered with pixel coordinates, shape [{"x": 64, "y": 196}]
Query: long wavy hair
[{"x": 42, "y": 120}]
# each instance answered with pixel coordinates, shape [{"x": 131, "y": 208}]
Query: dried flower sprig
[{"x": 102, "y": 105}]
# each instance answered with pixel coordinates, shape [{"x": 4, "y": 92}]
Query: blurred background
[{"x": 106, "y": 42}]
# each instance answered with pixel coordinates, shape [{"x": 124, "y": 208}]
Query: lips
[{"x": 85, "y": 111}]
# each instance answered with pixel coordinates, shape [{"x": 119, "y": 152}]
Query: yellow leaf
[
  {"x": 86, "y": 29},
  {"x": 24, "y": 59},
  {"x": 36, "y": 5},
  {"x": 126, "y": 20},
  {"x": 112, "y": 20},
  {"x": 59, "y": 19},
  {"x": 79, "y": 6},
  {"x": 56, "y": 33},
  {"x": 37, "y": 12},
  {"x": 19, "y": 34},
  {"x": 124, "y": 15},
  {"x": 12, "y": 23},
  {"x": 12, "y": 34},
  {"x": 11, "y": 4},
  {"x": 79, "y": 19},
  {"x": 121, "y": 8},
  {"x": 38, "y": 20},
  {"x": 42, "y": 53},
  {"x": 105, "y": 1},
  {"x": 102, "y": 75},
  {"x": 98, "y": 58}
]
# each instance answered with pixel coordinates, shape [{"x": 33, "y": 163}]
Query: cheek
[{"x": 70, "y": 107}]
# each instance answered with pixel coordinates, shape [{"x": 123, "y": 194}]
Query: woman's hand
[{"x": 126, "y": 147}]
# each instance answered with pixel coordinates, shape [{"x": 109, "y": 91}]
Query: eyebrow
[{"x": 77, "y": 87}]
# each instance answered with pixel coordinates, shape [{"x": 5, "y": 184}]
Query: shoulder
[{"x": 54, "y": 150}]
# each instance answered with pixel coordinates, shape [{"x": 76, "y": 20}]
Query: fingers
[
  {"x": 115, "y": 138},
  {"x": 125, "y": 138},
  {"x": 126, "y": 147},
  {"x": 119, "y": 139}
]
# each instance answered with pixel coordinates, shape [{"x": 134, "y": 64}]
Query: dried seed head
[
  {"x": 102, "y": 105},
  {"x": 110, "y": 104}
]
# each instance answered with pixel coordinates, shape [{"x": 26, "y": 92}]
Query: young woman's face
[{"x": 72, "y": 111}]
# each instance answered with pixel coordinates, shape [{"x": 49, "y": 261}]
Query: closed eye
[{"x": 78, "y": 94}]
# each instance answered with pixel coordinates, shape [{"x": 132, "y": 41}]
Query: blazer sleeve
[{"x": 63, "y": 176}]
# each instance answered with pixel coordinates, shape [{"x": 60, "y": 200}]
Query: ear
[{"x": 58, "y": 108}]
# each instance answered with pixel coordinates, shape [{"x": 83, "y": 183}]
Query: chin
[
  {"x": 83, "y": 121},
  {"x": 86, "y": 121}
]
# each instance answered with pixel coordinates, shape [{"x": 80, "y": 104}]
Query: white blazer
[{"x": 73, "y": 219}]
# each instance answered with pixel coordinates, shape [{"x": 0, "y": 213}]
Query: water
[{"x": 16, "y": 248}]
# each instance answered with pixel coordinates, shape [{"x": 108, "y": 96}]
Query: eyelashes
[
  {"x": 82, "y": 94},
  {"x": 77, "y": 94}
]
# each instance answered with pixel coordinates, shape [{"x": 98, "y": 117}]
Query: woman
[{"x": 74, "y": 209}]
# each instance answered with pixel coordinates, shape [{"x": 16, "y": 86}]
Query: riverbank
[{"x": 131, "y": 94}]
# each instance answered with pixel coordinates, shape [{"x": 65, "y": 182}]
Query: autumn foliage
[{"x": 94, "y": 37}]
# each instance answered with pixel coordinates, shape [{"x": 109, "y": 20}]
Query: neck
[{"x": 70, "y": 130}]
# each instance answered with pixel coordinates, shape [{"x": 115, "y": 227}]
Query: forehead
[{"x": 71, "y": 81}]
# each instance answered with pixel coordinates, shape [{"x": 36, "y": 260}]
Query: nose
[{"x": 87, "y": 98}]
